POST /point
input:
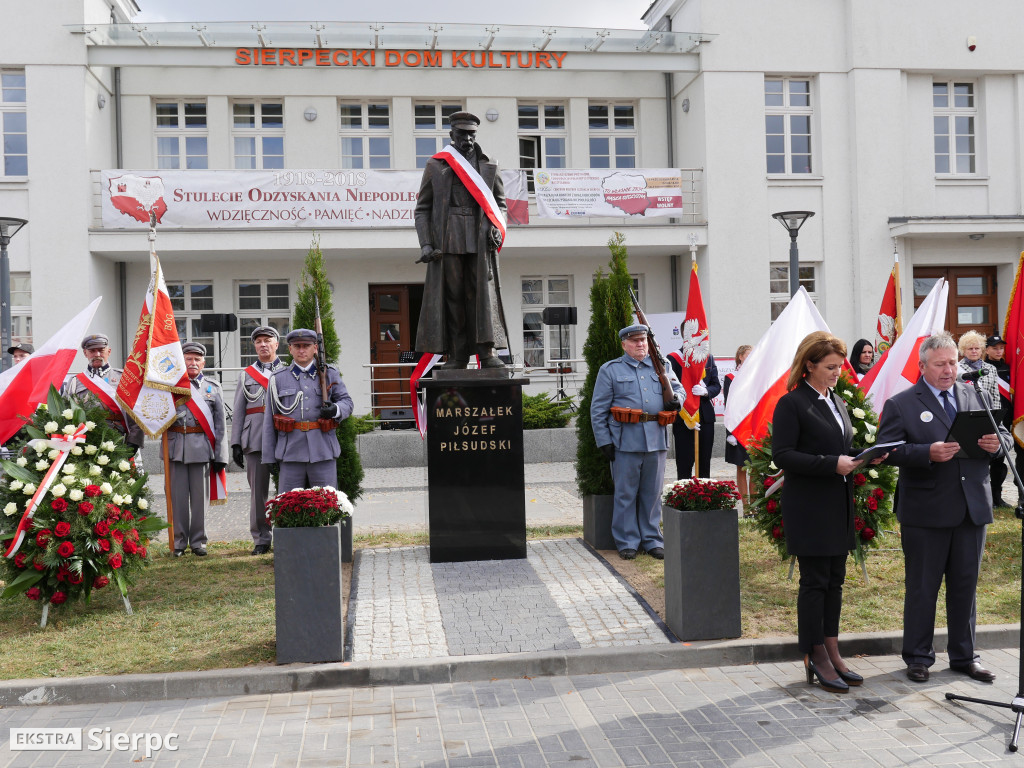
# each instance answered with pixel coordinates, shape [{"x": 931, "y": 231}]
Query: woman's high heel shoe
[
  {"x": 850, "y": 678},
  {"x": 832, "y": 686}
]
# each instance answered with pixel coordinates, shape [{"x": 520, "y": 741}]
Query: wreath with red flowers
[
  {"x": 873, "y": 487},
  {"x": 92, "y": 527}
]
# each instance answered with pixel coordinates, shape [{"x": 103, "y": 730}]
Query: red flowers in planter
[{"x": 701, "y": 495}]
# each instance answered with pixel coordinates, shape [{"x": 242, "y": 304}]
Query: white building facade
[{"x": 891, "y": 138}]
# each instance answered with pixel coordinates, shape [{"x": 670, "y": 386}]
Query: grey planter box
[
  {"x": 346, "y": 540},
  {"x": 597, "y": 522},
  {"x": 308, "y": 594},
  {"x": 702, "y": 573}
]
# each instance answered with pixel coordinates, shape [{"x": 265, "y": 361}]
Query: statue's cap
[{"x": 465, "y": 121}]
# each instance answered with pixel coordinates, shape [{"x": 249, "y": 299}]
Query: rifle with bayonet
[
  {"x": 326, "y": 424},
  {"x": 659, "y": 362}
]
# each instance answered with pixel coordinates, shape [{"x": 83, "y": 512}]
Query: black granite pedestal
[{"x": 475, "y": 474}]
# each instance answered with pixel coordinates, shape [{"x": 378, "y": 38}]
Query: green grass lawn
[{"x": 218, "y": 611}]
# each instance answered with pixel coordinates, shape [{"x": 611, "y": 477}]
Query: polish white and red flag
[
  {"x": 476, "y": 185},
  {"x": 154, "y": 373},
  {"x": 25, "y": 386},
  {"x": 419, "y": 399},
  {"x": 692, "y": 356},
  {"x": 517, "y": 199},
  {"x": 898, "y": 368},
  {"x": 762, "y": 380}
]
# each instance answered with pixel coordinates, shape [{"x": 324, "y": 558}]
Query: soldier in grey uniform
[
  {"x": 299, "y": 428},
  {"x": 637, "y": 451},
  {"x": 192, "y": 458},
  {"x": 103, "y": 377},
  {"x": 247, "y": 432}
]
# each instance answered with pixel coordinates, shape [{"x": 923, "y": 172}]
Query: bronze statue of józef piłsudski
[{"x": 460, "y": 222}]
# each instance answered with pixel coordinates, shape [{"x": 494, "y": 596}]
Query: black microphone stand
[{"x": 1017, "y": 704}]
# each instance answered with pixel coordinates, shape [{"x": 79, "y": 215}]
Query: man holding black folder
[{"x": 943, "y": 505}]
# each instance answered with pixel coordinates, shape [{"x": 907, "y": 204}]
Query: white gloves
[
  {"x": 731, "y": 440},
  {"x": 699, "y": 390}
]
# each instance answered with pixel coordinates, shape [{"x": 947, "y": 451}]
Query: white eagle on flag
[{"x": 696, "y": 346}]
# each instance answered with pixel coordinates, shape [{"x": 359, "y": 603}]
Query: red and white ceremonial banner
[
  {"x": 517, "y": 197},
  {"x": 419, "y": 399},
  {"x": 761, "y": 381},
  {"x": 1013, "y": 333},
  {"x": 24, "y": 386},
  {"x": 475, "y": 184},
  {"x": 898, "y": 368},
  {"x": 218, "y": 480},
  {"x": 890, "y": 323},
  {"x": 640, "y": 193},
  {"x": 693, "y": 354},
  {"x": 155, "y": 369}
]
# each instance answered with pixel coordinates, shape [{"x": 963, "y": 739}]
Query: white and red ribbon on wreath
[{"x": 64, "y": 444}]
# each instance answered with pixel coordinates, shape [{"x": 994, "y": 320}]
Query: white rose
[
  {"x": 847, "y": 393},
  {"x": 53, "y": 454},
  {"x": 94, "y": 470},
  {"x": 123, "y": 465},
  {"x": 873, "y": 474},
  {"x": 76, "y": 451},
  {"x": 22, "y": 461},
  {"x": 75, "y": 495},
  {"x": 50, "y": 427},
  {"x": 118, "y": 499},
  {"x": 30, "y": 489},
  {"x": 853, "y": 429},
  {"x": 91, "y": 449},
  {"x": 58, "y": 490},
  {"x": 67, "y": 413},
  {"x": 41, "y": 465},
  {"x": 772, "y": 467},
  {"x": 871, "y": 428},
  {"x": 90, "y": 425},
  {"x": 69, "y": 429},
  {"x": 114, "y": 474},
  {"x": 103, "y": 460},
  {"x": 68, "y": 469},
  {"x": 106, "y": 445},
  {"x": 39, "y": 445},
  {"x": 143, "y": 504},
  {"x": 106, "y": 489},
  {"x": 11, "y": 509},
  {"x": 15, "y": 485},
  {"x": 869, "y": 438},
  {"x": 128, "y": 499},
  {"x": 859, "y": 413}
]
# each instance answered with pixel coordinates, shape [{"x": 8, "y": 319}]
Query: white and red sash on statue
[
  {"x": 256, "y": 375},
  {"x": 475, "y": 184},
  {"x": 106, "y": 394},
  {"x": 218, "y": 480}
]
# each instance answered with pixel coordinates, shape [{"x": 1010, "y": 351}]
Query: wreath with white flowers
[
  {"x": 873, "y": 487},
  {"x": 91, "y": 526}
]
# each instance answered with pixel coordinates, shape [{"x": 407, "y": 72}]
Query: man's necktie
[{"x": 948, "y": 405}]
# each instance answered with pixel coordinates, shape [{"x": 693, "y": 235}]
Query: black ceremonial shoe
[
  {"x": 917, "y": 673},
  {"x": 179, "y": 552},
  {"x": 199, "y": 551},
  {"x": 658, "y": 553},
  {"x": 627, "y": 554},
  {"x": 975, "y": 671}
]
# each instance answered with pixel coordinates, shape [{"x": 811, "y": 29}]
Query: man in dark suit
[
  {"x": 461, "y": 312},
  {"x": 943, "y": 505}
]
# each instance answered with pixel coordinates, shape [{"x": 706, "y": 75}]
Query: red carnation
[
  {"x": 39, "y": 565},
  {"x": 867, "y": 534},
  {"x": 58, "y": 597},
  {"x": 66, "y": 549},
  {"x": 42, "y": 537},
  {"x": 113, "y": 513},
  {"x": 117, "y": 535},
  {"x": 33, "y": 593},
  {"x": 58, "y": 505},
  {"x": 858, "y": 524},
  {"x": 859, "y": 479},
  {"x": 776, "y": 532},
  {"x": 99, "y": 582},
  {"x": 878, "y": 493},
  {"x": 102, "y": 528},
  {"x": 62, "y": 529},
  {"x": 129, "y": 547},
  {"x": 104, "y": 545},
  {"x": 114, "y": 561},
  {"x": 872, "y": 503},
  {"x": 84, "y": 508},
  {"x": 92, "y": 490}
]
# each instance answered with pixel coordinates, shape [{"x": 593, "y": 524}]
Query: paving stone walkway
[{"x": 560, "y": 597}]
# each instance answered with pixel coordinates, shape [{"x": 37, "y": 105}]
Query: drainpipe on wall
[{"x": 122, "y": 270}]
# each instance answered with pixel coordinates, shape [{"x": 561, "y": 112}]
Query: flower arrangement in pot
[
  {"x": 309, "y": 508},
  {"x": 701, "y": 494}
]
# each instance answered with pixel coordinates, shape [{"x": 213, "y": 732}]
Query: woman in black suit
[{"x": 811, "y": 441}]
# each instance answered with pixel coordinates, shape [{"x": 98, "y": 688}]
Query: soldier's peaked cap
[
  {"x": 465, "y": 121},
  {"x": 265, "y": 330},
  {"x": 633, "y": 330},
  {"x": 193, "y": 347},
  {"x": 95, "y": 341},
  {"x": 301, "y": 336}
]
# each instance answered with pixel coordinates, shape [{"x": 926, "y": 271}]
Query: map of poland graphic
[{"x": 136, "y": 196}]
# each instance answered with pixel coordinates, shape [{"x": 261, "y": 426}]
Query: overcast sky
[{"x": 614, "y": 14}]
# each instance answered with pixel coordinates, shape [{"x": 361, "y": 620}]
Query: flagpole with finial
[
  {"x": 163, "y": 438},
  {"x": 899, "y": 293}
]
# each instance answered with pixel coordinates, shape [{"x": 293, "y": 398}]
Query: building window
[
  {"x": 365, "y": 135},
  {"x": 954, "y": 118},
  {"x": 787, "y": 125},
  {"x": 189, "y": 300},
  {"x": 612, "y": 135},
  {"x": 541, "y": 137},
  {"x": 260, "y": 302},
  {"x": 541, "y": 346},
  {"x": 430, "y": 124},
  {"x": 778, "y": 283},
  {"x": 257, "y": 133},
  {"x": 12, "y": 122},
  {"x": 181, "y": 134},
  {"x": 21, "y": 307}
]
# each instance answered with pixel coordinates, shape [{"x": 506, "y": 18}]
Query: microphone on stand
[{"x": 974, "y": 375}]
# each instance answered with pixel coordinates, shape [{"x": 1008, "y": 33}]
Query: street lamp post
[
  {"x": 792, "y": 221},
  {"x": 9, "y": 227}
]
